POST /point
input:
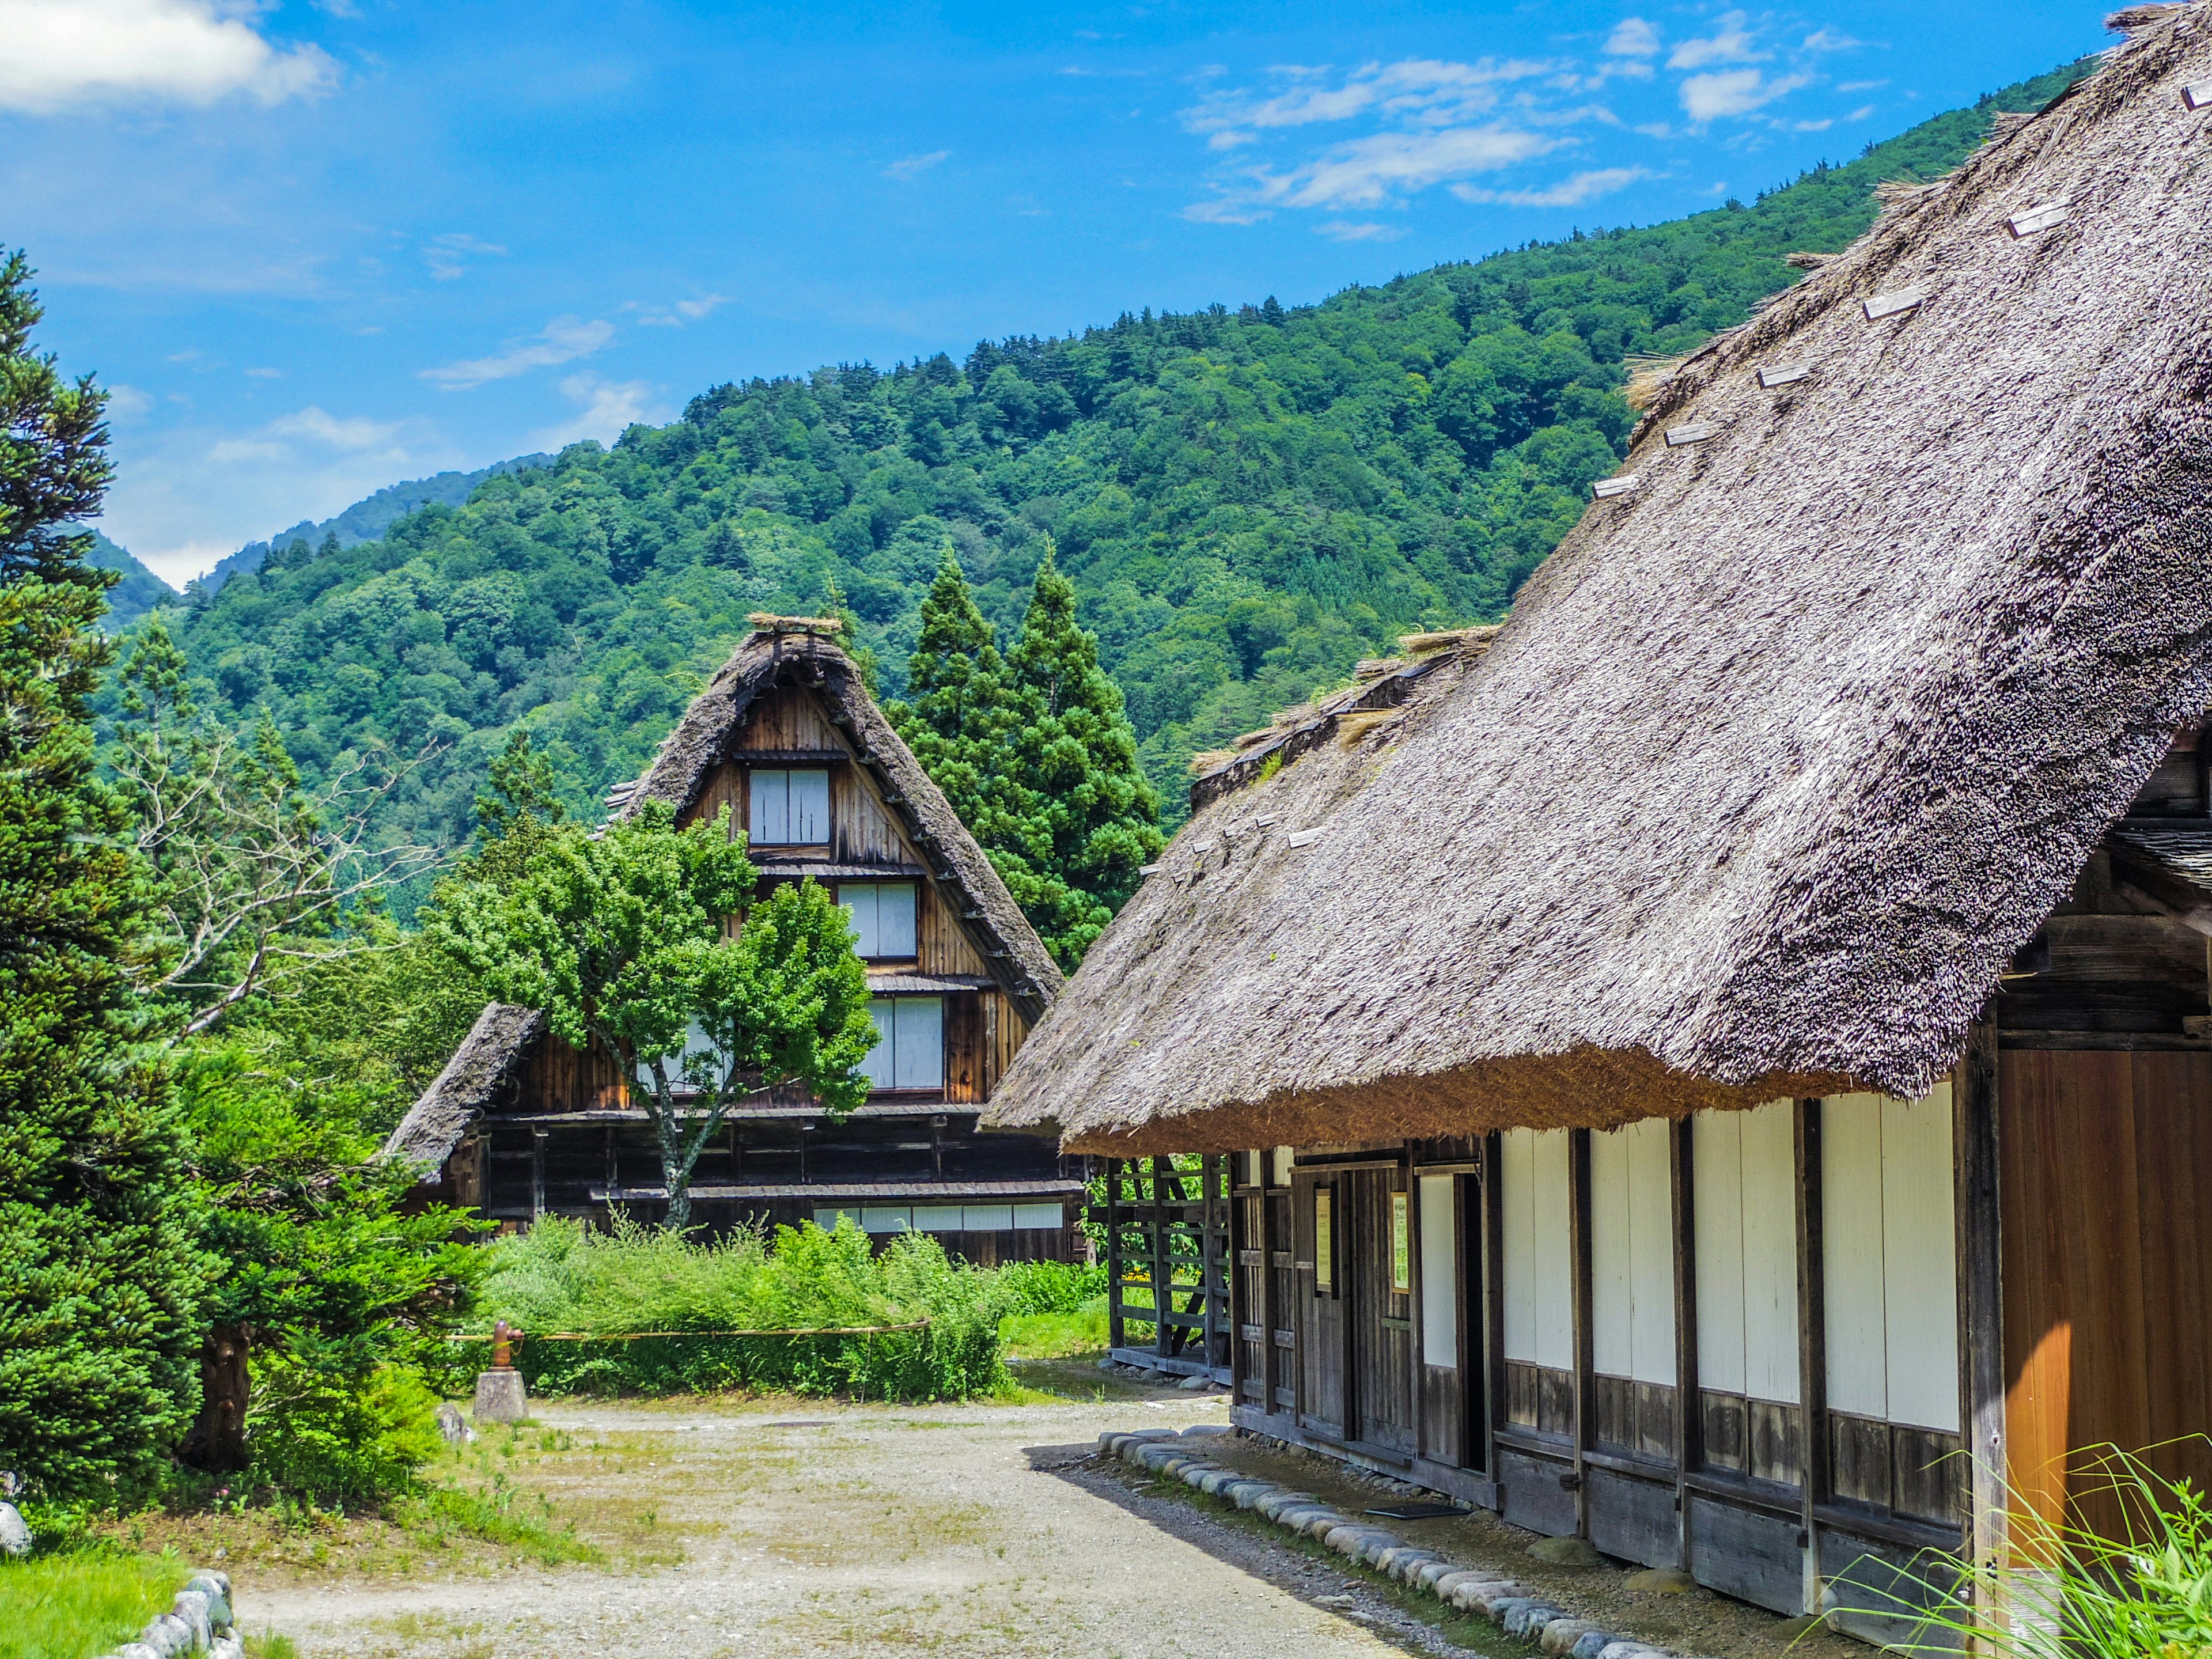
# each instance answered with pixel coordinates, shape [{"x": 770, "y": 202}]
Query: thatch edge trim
[
  {"x": 1015, "y": 956},
  {"x": 442, "y": 1119}
]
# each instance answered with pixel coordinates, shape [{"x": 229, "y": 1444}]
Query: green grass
[
  {"x": 76, "y": 1606},
  {"x": 1054, "y": 1335}
]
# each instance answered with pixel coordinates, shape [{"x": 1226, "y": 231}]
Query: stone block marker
[
  {"x": 1516, "y": 1608},
  {"x": 501, "y": 1397}
]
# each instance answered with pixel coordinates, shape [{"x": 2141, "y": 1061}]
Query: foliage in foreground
[
  {"x": 65, "y": 1607},
  {"x": 560, "y": 1278}
]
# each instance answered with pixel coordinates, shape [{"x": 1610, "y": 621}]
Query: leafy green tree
[
  {"x": 621, "y": 939},
  {"x": 99, "y": 1276}
]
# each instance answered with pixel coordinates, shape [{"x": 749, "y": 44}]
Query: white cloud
[
  {"x": 1224, "y": 210},
  {"x": 1861, "y": 86},
  {"x": 127, "y": 402},
  {"x": 563, "y": 340},
  {"x": 911, "y": 167},
  {"x": 62, "y": 53},
  {"x": 1826, "y": 39},
  {"x": 1822, "y": 125},
  {"x": 606, "y": 409},
  {"x": 675, "y": 315},
  {"x": 1735, "y": 92},
  {"x": 1860, "y": 113},
  {"x": 1632, "y": 38},
  {"x": 1368, "y": 171},
  {"x": 1731, "y": 43},
  {"x": 1414, "y": 92},
  {"x": 265, "y": 374},
  {"x": 1567, "y": 192},
  {"x": 447, "y": 255},
  {"x": 1346, "y": 230}
]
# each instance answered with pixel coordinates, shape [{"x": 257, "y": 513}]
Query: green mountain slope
[
  {"x": 139, "y": 591},
  {"x": 1248, "y": 500}
]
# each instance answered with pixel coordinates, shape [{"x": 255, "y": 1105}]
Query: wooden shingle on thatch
[{"x": 1781, "y": 755}]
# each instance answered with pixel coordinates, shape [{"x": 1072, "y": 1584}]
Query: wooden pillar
[
  {"x": 1812, "y": 1346},
  {"x": 1579, "y": 1255},
  {"x": 1209, "y": 1177},
  {"x": 536, "y": 1173},
  {"x": 1689, "y": 1401},
  {"x": 1162, "y": 1263},
  {"x": 1116, "y": 1265},
  {"x": 1981, "y": 1321},
  {"x": 1492, "y": 1309}
]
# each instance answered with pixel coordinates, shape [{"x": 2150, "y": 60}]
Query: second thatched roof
[{"x": 1785, "y": 750}]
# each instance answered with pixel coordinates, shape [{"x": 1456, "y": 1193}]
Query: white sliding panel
[
  {"x": 1537, "y": 1271},
  {"x": 1890, "y": 1270},
  {"x": 1632, "y": 1253},
  {"x": 1439, "y": 1271},
  {"x": 1744, "y": 1168}
]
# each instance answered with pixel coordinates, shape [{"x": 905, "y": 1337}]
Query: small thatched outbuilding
[
  {"x": 1723, "y": 1067},
  {"x": 787, "y": 737}
]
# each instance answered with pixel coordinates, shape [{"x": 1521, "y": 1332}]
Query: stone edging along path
[
  {"x": 1518, "y": 1610},
  {"x": 199, "y": 1621}
]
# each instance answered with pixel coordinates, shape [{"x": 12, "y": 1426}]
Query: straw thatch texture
[
  {"x": 450, "y": 1107},
  {"x": 965, "y": 878},
  {"x": 1781, "y": 755}
]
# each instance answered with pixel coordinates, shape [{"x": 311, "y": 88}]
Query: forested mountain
[
  {"x": 139, "y": 591},
  {"x": 1248, "y": 500}
]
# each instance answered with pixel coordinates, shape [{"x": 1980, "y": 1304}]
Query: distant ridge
[
  {"x": 368, "y": 519},
  {"x": 139, "y": 591}
]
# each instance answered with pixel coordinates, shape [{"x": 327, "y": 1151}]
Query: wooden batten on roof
[{"x": 1782, "y": 754}]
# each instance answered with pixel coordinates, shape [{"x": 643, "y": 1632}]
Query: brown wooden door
[
  {"x": 1322, "y": 1297},
  {"x": 1379, "y": 1261}
]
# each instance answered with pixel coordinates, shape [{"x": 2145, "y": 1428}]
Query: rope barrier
[{"x": 641, "y": 1336}]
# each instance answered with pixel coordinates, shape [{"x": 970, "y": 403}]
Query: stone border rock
[
  {"x": 199, "y": 1621},
  {"x": 1515, "y": 1608}
]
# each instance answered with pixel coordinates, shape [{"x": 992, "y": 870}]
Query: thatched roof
[
  {"x": 450, "y": 1107},
  {"x": 1784, "y": 750},
  {"x": 964, "y": 877}
]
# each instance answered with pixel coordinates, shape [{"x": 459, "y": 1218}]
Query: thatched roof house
[{"x": 1787, "y": 749}]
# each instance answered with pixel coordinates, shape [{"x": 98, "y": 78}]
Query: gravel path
[{"x": 955, "y": 1530}]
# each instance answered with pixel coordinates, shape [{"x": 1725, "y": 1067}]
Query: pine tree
[
  {"x": 1034, "y": 754},
  {"x": 98, "y": 1275}
]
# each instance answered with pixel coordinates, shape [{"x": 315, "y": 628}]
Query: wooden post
[
  {"x": 1492, "y": 1308},
  {"x": 1689, "y": 1401},
  {"x": 1162, "y": 1264},
  {"x": 1117, "y": 1267},
  {"x": 1209, "y": 1172},
  {"x": 1981, "y": 1302},
  {"x": 1579, "y": 1255},
  {"x": 1811, "y": 1344},
  {"x": 536, "y": 1173}
]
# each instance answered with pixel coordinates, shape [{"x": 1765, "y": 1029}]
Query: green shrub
[
  {"x": 1051, "y": 1287},
  {"x": 70, "y": 1607},
  {"x": 316, "y": 1435},
  {"x": 560, "y": 1278}
]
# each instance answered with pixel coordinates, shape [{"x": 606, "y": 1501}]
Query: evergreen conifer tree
[
  {"x": 1034, "y": 752},
  {"x": 99, "y": 1277}
]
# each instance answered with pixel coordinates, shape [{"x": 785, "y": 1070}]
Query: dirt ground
[{"x": 763, "y": 1529}]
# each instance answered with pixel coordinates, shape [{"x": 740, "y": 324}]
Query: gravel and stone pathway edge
[{"x": 1517, "y": 1610}]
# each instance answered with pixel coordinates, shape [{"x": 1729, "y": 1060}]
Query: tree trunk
[{"x": 217, "y": 1442}]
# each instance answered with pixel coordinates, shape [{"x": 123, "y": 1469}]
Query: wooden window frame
[
  {"x": 754, "y": 768},
  {"x": 837, "y": 897}
]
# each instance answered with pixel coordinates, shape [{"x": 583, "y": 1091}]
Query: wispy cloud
[
  {"x": 1632, "y": 37},
  {"x": 1346, "y": 230},
  {"x": 1414, "y": 92},
  {"x": 678, "y": 315},
  {"x": 1567, "y": 192},
  {"x": 560, "y": 341},
  {"x": 350, "y": 435},
  {"x": 605, "y": 409},
  {"x": 1827, "y": 39},
  {"x": 908, "y": 168},
  {"x": 1735, "y": 92},
  {"x": 62, "y": 54},
  {"x": 1730, "y": 43},
  {"x": 1368, "y": 170},
  {"x": 448, "y": 256}
]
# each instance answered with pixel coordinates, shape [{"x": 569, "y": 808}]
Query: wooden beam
[
  {"x": 1689, "y": 1414},
  {"x": 1492, "y": 1307},
  {"x": 1811, "y": 1344},
  {"x": 1578, "y": 1253},
  {"x": 1981, "y": 1286}
]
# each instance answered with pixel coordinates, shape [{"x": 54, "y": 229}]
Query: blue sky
[{"x": 318, "y": 247}]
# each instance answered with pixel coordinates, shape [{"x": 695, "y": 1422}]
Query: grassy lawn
[
  {"x": 76, "y": 1606},
  {"x": 1055, "y": 1335}
]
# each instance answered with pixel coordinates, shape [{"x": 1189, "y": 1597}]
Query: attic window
[
  {"x": 788, "y": 808},
  {"x": 910, "y": 1051},
  {"x": 881, "y": 915}
]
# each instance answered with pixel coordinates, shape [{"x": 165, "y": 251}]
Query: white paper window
[
  {"x": 1632, "y": 1252},
  {"x": 1539, "y": 1274},
  {"x": 910, "y": 1051},
  {"x": 936, "y": 1217},
  {"x": 880, "y": 1220},
  {"x": 988, "y": 1217},
  {"x": 1744, "y": 1167},
  {"x": 788, "y": 808},
  {"x": 1889, "y": 1261},
  {"x": 1039, "y": 1215},
  {"x": 882, "y": 916},
  {"x": 1439, "y": 1271}
]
